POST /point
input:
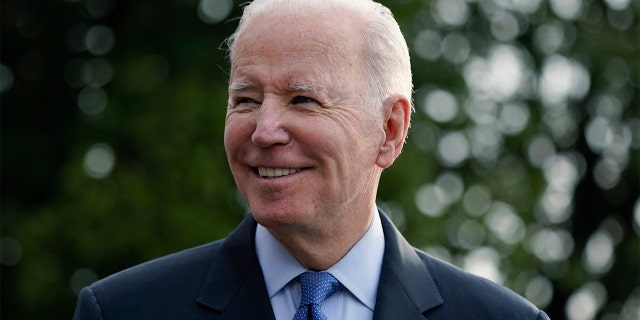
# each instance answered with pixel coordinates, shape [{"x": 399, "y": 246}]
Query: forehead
[
  {"x": 321, "y": 23},
  {"x": 313, "y": 39}
]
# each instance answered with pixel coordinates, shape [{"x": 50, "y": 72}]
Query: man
[{"x": 319, "y": 104}]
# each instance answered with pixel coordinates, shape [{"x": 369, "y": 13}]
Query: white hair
[{"x": 387, "y": 68}]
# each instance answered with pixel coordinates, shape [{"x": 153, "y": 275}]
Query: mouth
[{"x": 270, "y": 173}]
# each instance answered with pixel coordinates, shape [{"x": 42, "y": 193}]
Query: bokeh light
[
  {"x": 484, "y": 262},
  {"x": 505, "y": 223},
  {"x": 540, "y": 149},
  {"x": 6, "y": 78},
  {"x": 549, "y": 37},
  {"x": 620, "y": 19},
  {"x": 551, "y": 245},
  {"x": 567, "y": 9},
  {"x": 99, "y": 161},
  {"x": 430, "y": 200},
  {"x": 427, "y": 44},
  {"x": 464, "y": 233},
  {"x": 92, "y": 100},
  {"x": 514, "y": 117},
  {"x": 599, "y": 254},
  {"x": 586, "y": 301},
  {"x": 618, "y": 4},
  {"x": 99, "y": 8},
  {"x": 99, "y": 40},
  {"x": 562, "y": 79},
  {"x": 10, "y": 251},
  {"x": 455, "y": 48},
  {"x": 451, "y": 185},
  {"x": 504, "y": 26},
  {"x": 499, "y": 76},
  {"x": 477, "y": 200},
  {"x": 539, "y": 291},
  {"x": 440, "y": 105},
  {"x": 450, "y": 12},
  {"x": 214, "y": 11},
  {"x": 453, "y": 149},
  {"x": 631, "y": 308},
  {"x": 82, "y": 278}
]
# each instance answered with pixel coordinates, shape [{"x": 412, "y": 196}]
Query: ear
[{"x": 396, "y": 117}]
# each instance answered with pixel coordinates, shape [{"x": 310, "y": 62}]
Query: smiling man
[
  {"x": 299, "y": 103},
  {"x": 319, "y": 104}
]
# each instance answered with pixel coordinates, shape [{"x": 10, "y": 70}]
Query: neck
[{"x": 318, "y": 249}]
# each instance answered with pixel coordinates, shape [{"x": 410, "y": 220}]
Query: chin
[{"x": 274, "y": 218}]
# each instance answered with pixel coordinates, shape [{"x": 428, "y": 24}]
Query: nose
[{"x": 270, "y": 127}]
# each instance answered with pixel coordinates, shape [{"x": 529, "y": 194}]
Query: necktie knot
[{"x": 315, "y": 287}]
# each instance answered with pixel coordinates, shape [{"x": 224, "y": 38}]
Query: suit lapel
[
  {"x": 235, "y": 285},
  {"x": 406, "y": 289}
]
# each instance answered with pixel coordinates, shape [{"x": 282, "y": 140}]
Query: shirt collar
[
  {"x": 278, "y": 265},
  {"x": 358, "y": 270}
]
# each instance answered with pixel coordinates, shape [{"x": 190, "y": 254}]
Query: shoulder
[
  {"x": 482, "y": 298},
  {"x": 175, "y": 268},
  {"x": 162, "y": 288},
  {"x": 183, "y": 285}
]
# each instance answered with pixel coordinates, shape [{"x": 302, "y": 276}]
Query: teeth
[{"x": 275, "y": 172}]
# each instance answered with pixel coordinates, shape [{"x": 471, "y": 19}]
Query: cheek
[
  {"x": 367, "y": 134},
  {"x": 345, "y": 139},
  {"x": 228, "y": 138},
  {"x": 236, "y": 132}
]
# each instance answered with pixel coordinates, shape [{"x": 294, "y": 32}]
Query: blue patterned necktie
[{"x": 316, "y": 286}]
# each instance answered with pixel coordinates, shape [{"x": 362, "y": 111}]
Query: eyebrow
[
  {"x": 241, "y": 86},
  {"x": 309, "y": 88},
  {"x": 303, "y": 87}
]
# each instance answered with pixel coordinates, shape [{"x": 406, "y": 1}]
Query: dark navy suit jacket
[{"x": 223, "y": 280}]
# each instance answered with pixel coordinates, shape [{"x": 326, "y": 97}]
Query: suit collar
[
  {"x": 235, "y": 286},
  {"x": 406, "y": 289}
]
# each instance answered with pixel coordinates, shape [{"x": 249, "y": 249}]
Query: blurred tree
[{"x": 521, "y": 166}]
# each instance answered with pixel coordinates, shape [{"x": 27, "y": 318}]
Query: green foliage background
[{"x": 163, "y": 86}]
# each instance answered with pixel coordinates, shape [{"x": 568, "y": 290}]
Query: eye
[
  {"x": 240, "y": 101},
  {"x": 302, "y": 99}
]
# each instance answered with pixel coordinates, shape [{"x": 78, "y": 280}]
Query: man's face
[{"x": 301, "y": 145}]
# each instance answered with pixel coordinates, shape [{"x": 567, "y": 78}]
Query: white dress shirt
[{"x": 358, "y": 272}]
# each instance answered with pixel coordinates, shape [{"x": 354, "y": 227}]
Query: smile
[{"x": 275, "y": 172}]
